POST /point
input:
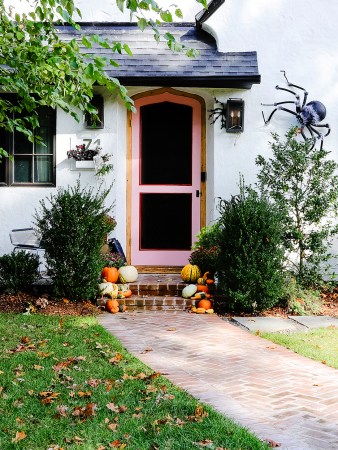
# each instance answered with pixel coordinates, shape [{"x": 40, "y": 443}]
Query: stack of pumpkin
[
  {"x": 198, "y": 289},
  {"x": 111, "y": 292}
]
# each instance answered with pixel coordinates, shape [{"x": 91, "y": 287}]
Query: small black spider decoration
[
  {"x": 219, "y": 112},
  {"x": 308, "y": 114}
]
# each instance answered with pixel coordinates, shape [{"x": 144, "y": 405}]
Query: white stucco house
[{"x": 171, "y": 163}]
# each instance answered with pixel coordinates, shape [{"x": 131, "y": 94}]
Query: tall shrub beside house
[
  {"x": 250, "y": 263},
  {"x": 301, "y": 180},
  {"x": 73, "y": 225}
]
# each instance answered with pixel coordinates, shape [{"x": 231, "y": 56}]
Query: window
[{"x": 33, "y": 163}]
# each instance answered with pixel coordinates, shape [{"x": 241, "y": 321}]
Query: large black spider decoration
[{"x": 308, "y": 114}]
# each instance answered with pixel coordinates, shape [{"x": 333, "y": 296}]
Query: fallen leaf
[
  {"x": 205, "y": 443},
  {"x": 113, "y": 426},
  {"x": 272, "y": 443},
  {"x": 112, "y": 407},
  {"x": 38, "y": 367},
  {"x": 19, "y": 436},
  {"x": 84, "y": 394},
  {"x": 115, "y": 444},
  {"x": 146, "y": 350},
  {"x": 25, "y": 340},
  {"x": 116, "y": 359},
  {"x": 93, "y": 382},
  {"x": 62, "y": 410},
  {"x": 171, "y": 329}
]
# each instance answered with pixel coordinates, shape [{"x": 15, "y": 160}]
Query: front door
[{"x": 166, "y": 179}]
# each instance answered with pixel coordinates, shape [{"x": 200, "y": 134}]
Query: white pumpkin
[
  {"x": 189, "y": 291},
  {"x": 128, "y": 274}
]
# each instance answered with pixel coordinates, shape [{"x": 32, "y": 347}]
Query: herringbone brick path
[{"x": 272, "y": 391}]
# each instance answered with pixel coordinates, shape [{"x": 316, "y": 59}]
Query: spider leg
[
  {"x": 310, "y": 128},
  {"x": 298, "y": 87},
  {"x": 326, "y": 125},
  {"x": 278, "y": 103},
  {"x": 277, "y": 109},
  {"x": 312, "y": 136}
]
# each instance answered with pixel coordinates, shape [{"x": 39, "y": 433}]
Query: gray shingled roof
[{"x": 154, "y": 64}]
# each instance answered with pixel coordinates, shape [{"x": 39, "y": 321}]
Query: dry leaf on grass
[{"x": 19, "y": 436}]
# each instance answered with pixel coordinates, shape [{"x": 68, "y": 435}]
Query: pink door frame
[{"x": 167, "y": 258}]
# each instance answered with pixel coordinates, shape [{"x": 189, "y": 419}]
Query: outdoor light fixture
[
  {"x": 235, "y": 115},
  {"x": 98, "y": 103},
  {"x": 231, "y": 114}
]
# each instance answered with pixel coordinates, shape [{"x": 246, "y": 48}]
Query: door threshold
[{"x": 159, "y": 269}]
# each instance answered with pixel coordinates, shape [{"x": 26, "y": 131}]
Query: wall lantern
[
  {"x": 98, "y": 103},
  {"x": 231, "y": 114}
]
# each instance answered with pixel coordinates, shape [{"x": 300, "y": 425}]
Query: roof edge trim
[{"x": 204, "y": 15}]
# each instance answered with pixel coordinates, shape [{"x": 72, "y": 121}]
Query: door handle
[{"x": 198, "y": 193}]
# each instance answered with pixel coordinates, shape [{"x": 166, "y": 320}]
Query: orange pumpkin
[
  {"x": 209, "y": 281},
  {"x": 206, "y": 304},
  {"x": 112, "y": 306},
  {"x": 202, "y": 288},
  {"x": 110, "y": 274}
]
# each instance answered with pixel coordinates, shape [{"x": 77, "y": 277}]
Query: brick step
[
  {"x": 158, "y": 285},
  {"x": 152, "y": 303}
]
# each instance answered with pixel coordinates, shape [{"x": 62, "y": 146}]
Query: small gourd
[
  {"x": 201, "y": 280},
  {"x": 105, "y": 288},
  {"x": 126, "y": 294},
  {"x": 202, "y": 288},
  {"x": 112, "y": 306},
  {"x": 189, "y": 291},
  {"x": 200, "y": 311},
  {"x": 210, "y": 311}
]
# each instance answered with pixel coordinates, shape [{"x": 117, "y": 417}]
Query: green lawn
[
  {"x": 320, "y": 345},
  {"x": 67, "y": 383}
]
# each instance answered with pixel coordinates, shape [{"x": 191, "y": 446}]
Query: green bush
[
  {"x": 250, "y": 270},
  {"x": 205, "y": 249},
  {"x": 208, "y": 237},
  {"x": 73, "y": 230},
  {"x": 18, "y": 270},
  {"x": 302, "y": 301}
]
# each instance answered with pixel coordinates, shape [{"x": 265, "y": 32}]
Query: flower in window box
[{"x": 80, "y": 153}]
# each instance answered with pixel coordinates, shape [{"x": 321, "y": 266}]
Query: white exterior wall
[{"x": 299, "y": 37}]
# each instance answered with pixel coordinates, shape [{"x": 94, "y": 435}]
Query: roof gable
[{"x": 153, "y": 64}]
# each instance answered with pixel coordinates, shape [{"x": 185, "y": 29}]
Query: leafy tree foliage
[
  {"x": 303, "y": 182},
  {"x": 44, "y": 70}
]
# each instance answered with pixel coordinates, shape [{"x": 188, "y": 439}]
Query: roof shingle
[{"x": 154, "y": 64}]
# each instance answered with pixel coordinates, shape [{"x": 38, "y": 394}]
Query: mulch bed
[{"x": 24, "y": 302}]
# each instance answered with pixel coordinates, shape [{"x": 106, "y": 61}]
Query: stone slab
[
  {"x": 315, "y": 321},
  {"x": 268, "y": 324}
]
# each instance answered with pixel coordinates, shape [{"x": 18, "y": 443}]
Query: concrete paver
[
  {"x": 274, "y": 392},
  {"x": 268, "y": 324},
  {"x": 316, "y": 321}
]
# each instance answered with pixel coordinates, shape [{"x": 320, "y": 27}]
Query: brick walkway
[{"x": 270, "y": 390}]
